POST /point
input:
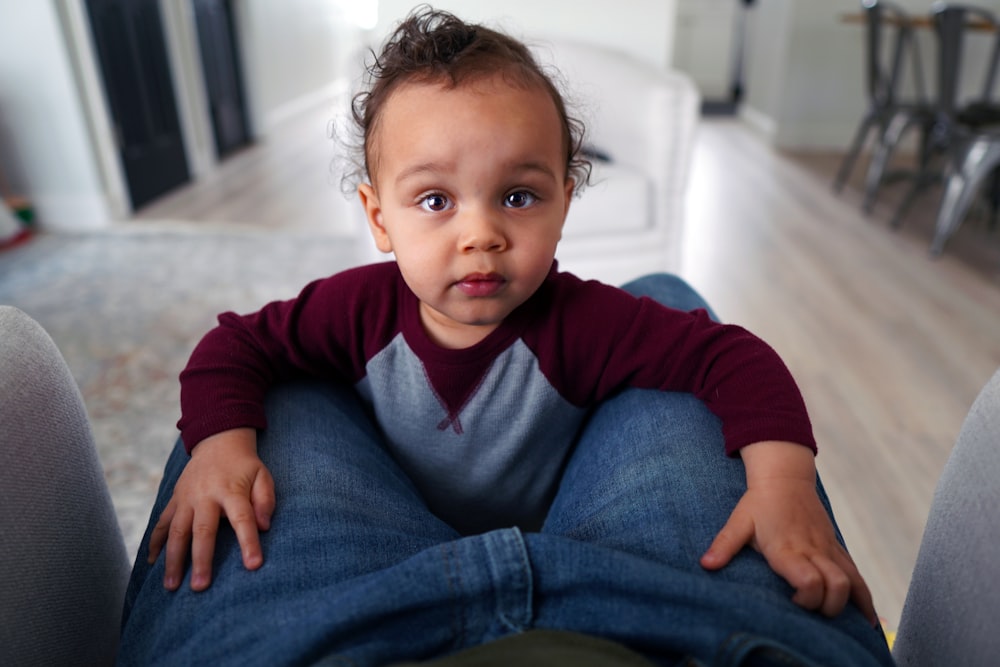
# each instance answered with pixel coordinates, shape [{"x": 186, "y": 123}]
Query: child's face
[{"x": 470, "y": 194}]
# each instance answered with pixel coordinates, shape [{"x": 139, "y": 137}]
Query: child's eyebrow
[
  {"x": 438, "y": 168},
  {"x": 532, "y": 166},
  {"x": 420, "y": 169}
]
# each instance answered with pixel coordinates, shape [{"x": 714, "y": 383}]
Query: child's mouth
[{"x": 481, "y": 284}]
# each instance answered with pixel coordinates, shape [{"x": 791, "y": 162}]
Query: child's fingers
[
  {"x": 158, "y": 537},
  {"x": 262, "y": 497},
  {"x": 801, "y": 574},
  {"x": 842, "y": 581},
  {"x": 204, "y": 529},
  {"x": 736, "y": 534},
  {"x": 859, "y": 592},
  {"x": 835, "y": 586},
  {"x": 242, "y": 518},
  {"x": 178, "y": 543},
  {"x": 823, "y": 584}
]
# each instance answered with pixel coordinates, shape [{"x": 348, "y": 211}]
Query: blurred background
[{"x": 107, "y": 104}]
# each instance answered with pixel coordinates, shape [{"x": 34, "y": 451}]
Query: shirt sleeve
[
  {"x": 326, "y": 331},
  {"x": 605, "y": 340}
]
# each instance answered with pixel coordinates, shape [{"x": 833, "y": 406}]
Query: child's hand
[
  {"x": 782, "y": 517},
  {"x": 223, "y": 478}
]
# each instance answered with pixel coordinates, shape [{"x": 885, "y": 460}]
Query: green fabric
[{"x": 542, "y": 648}]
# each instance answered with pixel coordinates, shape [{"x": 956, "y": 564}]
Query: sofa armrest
[{"x": 641, "y": 116}]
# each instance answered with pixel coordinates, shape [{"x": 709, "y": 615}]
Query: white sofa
[{"x": 630, "y": 221}]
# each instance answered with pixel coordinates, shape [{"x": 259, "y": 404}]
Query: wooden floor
[
  {"x": 890, "y": 347},
  {"x": 291, "y": 181}
]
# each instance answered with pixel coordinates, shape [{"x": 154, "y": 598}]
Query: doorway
[
  {"x": 223, "y": 79},
  {"x": 131, "y": 51}
]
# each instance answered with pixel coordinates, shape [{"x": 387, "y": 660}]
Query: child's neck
[{"x": 454, "y": 335}]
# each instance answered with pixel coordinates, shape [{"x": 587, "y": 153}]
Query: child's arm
[
  {"x": 317, "y": 334},
  {"x": 781, "y": 516},
  {"x": 223, "y": 478}
]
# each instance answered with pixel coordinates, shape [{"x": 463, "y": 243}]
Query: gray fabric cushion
[
  {"x": 63, "y": 566},
  {"x": 951, "y": 610}
]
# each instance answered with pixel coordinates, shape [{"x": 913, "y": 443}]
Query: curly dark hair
[{"x": 436, "y": 46}]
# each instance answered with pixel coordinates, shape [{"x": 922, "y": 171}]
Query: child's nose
[{"x": 481, "y": 232}]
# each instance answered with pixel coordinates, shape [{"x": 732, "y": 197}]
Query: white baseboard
[
  {"x": 805, "y": 136},
  {"x": 303, "y": 103},
  {"x": 759, "y": 121},
  {"x": 816, "y": 136}
]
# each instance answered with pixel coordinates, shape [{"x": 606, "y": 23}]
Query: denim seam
[
  {"x": 512, "y": 546},
  {"x": 453, "y": 575},
  {"x": 524, "y": 562}
]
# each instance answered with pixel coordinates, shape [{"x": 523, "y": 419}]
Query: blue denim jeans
[{"x": 358, "y": 572}]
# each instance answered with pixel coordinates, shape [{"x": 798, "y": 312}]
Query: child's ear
[
  {"x": 568, "y": 194},
  {"x": 373, "y": 213},
  {"x": 567, "y": 197}
]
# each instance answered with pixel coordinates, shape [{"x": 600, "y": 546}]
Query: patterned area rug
[{"x": 127, "y": 306}]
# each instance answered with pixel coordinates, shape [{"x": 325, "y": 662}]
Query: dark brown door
[
  {"x": 221, "y": 64},
  {"x": 132, "y": 52}
]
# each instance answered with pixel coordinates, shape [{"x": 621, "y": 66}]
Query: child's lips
[{"x": 481, "y": 284}]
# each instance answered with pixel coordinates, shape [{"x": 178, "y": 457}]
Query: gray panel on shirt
[{"x": 500, "y": 463}]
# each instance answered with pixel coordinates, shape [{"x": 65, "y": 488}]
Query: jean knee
[
  {"x": 669, "y": 289},
  {"x": 643, "y": 453},
  {"x": 642, "y": 423}
]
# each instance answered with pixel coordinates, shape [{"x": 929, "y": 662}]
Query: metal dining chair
[
  {"x": 891, "y": 51},
  {"x": 975, "y": 153},
  {"x": 965, "y": 132},
  {"x": 978, "y": 159}
]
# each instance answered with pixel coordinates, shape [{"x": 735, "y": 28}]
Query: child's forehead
[
  {"x": 437, "y": 101},
  {"x": 470, "y": 104},
  {"x": 437, "y": 116},
  {"x": 497, "y": 84},
  {"x": 435, "y": 127}
]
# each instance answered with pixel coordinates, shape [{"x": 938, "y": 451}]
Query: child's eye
[
  {"x": 435, "y": 202},
  {"x": 519, "y": 199}
]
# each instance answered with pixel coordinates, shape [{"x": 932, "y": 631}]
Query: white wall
[
  {"x": 294, "y": 54},
  {"x": 805, "y": 72},
  {"x": 805, "y": 69},
  {"x": 705, "y": 43},
  {"x": 45, "y": 152},
  {"x": 643, "y": 28},
  {"x": 768, "y": 26}
]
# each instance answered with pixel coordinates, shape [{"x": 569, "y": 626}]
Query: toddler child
[{"x": 477, "y": 358}]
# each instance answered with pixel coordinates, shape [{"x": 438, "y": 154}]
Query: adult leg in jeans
[
  {"x": 345, "y": 513},
  {"x": 649, "y": 484},
  {"x": 357, "y": 570}
]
